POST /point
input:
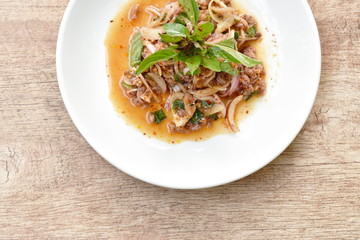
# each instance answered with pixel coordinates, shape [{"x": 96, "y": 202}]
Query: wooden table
[{"x": 53, "y": 185}]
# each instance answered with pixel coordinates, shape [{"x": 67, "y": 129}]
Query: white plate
[{"x": 293, "y": 81}]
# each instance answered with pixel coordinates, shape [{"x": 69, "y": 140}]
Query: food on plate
[{"x": 192, "y": 64}]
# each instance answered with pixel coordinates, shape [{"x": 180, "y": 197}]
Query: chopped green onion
[
  {"x": 159, "y": 116},
  {"x": 205, "y": 104},
  {"x": 198, "y": 115},
  {"x": 178, "y": 104},
  {"x": 251, "y": 31},
  {"x": 128, "y": 86}
]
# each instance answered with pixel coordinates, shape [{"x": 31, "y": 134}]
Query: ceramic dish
[{"x": 293, "y": 62}]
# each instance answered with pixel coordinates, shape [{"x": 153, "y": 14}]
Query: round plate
[{"x": 293, "y": 57}]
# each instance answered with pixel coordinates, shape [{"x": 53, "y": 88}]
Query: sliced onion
[
  {"x": 150, "y": 118},
  {"x": 212, "y": 14},
  {"x": 220, "y": 107},
  {"x": 159, "y": 81},
  {"x": 234, "y": 85},
  {"x": 224, "y": 25},
  {"x": 218, "y": 38},
  {"x": 148, "y": 87},
  {"x": 186, "y": 70},
  {"x": 152, "y": 10},
  {"x": 179, "y": 88},
  {"x": 189, "y": 103},
  {"x": 207, "y": 92},
  {"x": 132, "y": 14},
  {"x": 231, "y": 34},
  {"x": 158, "y": 69},
  {"x": 182, "y": 87},
  {"x": 150, "y": 46},
  {"x": 175, "y": 96},
  {"x": 209, "y": 78},
  {"x": 144, "y": 95},
  {"x": 227, "y": 19},
  {"x": 176, "y": 88},
  {"x": 231, "y": 113},
  {"x": 180, "y": 121},
  {"x": 151, "y": 33}
]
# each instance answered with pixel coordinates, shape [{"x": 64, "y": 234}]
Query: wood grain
[{"x": 54, "y": 186}]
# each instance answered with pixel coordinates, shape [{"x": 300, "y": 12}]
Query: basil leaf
[
  {"x": 197, "y": 72},
  {"x": 228, "y": 68},
  {"x": 198, "y": 115},
  {"x": 251, "y": 31},
  {"x": 181, "y": 57},
  {"x": 159, "y": 116},
  {"x": 136, "y": 48},
  {"x": 217, "y": 52},
  {"x": 231, "y": 43},
  {"x": 178, "y": 104},
  {"x": 211, "y": 62},
  {"x": 191, "y": 9},
  {"x": 169, "y": 39},
  {"x": 181, "y": 18},
  {"x": 193, "y": 63},
  {"x": 176, "y": 30},
  {"x": 203, "y": 52},
  {"x": 204, "y": 30},
  {"x": 162, "y": 55},
  {"x": 235, "y": 56},
  {"x": 198, "y": 45}
]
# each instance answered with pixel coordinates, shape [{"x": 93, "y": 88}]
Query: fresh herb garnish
[
  {"x": 234, "y": 56},
  {"x": 162, "y": 55},
  {"x": 178, "y": 104},
  {"x": 252, "y": 94},
  {"x": 193, "y": 63},
  {"x": 191, "y": 48},
  {"x": 169, "y": 39},
  {"x": 197, "y": 72},
  {"x": 198, "y": 115},
  {"x": 202, "y": 31},
  {"x": 191, "y": 9},
  {"x": 211, "y": 62},
  {"x": 205, "y": 104},
  {"x": 176, "y": 30},
  {"x": 136, "y": 48},
  {"x": 228, "y": 68},
  {"x": 251, "y": 31},
  {"x": 231, "y": 43},
  {"x": 159, "y": 116},
  {"x": 182, "y": 18}
]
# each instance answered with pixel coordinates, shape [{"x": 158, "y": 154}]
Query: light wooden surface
[{"x": 53, "y": 185}]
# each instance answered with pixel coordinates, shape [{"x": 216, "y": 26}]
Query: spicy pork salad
[{"x": 191, "y": 64}]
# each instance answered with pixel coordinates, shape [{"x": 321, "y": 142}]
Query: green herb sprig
[{"x": 191, "y": 48}]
